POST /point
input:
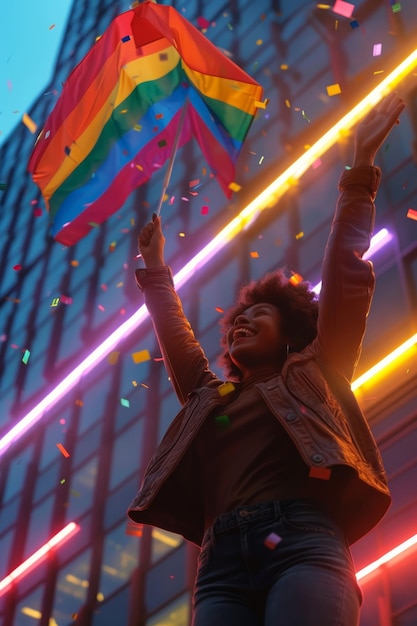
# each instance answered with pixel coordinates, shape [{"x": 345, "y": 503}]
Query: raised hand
[
  {"x": 151, "y": 242},
  {"x": 375, "y": 127}
]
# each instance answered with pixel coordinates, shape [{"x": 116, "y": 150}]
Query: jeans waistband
[{"x": 272, "y": 509}]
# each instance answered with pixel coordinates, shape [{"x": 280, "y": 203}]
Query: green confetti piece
[
  {"x": 124, "y": 402},
  {"x": 396, "y": 8},
  {"x": 222, "y": 420},
  {"x": 25, "y": 357}
]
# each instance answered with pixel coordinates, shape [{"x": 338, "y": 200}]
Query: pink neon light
[
  {"x": 200, "y": 259},
  {"x": 61, "y": 537},
  {"x": 401, "y": 548},
  {"x": 378, "y": 241}
]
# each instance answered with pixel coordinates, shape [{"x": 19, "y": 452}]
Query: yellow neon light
[
  {"x": 271, "y": 194},
  {"x": 390, "y": 358},
  {"x": 406, "y": 545}
]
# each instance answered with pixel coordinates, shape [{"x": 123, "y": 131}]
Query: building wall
[{"x": 112, "y": 419}]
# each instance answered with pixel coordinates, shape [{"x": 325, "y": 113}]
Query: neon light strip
[
  {"x": 406, "y": 545},
  {"x": 378, "y": 367},
  {"x": 61, "y": 537},
  {"x": 378, "y": 241},
  {"x": 265, "y": 200}
]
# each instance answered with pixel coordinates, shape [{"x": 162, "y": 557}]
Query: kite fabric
[{"x": 120, "y": 109}]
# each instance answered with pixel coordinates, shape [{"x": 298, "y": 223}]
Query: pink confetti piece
[
  {"x": 204, "y": 210},
  {"x": 343, "y": 8},
  {"x": 37, "y": 212},
  {"x": 272, "y": 541},
  {"x": 202, "y": 22},
  {"x": 17, "y": 267},
  {"x": 377, "y": 50}
]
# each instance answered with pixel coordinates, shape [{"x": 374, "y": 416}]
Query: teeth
[{"x": 242, "y": 332}]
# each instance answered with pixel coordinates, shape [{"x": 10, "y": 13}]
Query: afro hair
[{"x": 297, "y": 304}]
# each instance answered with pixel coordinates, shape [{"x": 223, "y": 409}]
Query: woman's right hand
[{"x": 151, "y": 242}]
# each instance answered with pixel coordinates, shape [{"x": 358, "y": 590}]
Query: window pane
[
  {"x": 127, "y": 451},
  {"x": 17, "y": 473},
  {"x": 165, "y": 580},
  {"x": 5, "y": 545},
  {"x": 175, "y": 614},
  {"x": 71, "y": 589},
  {"x": 113, "y": 612},
  {"x": 39, "y": 526},
  {"x": 162, "y": 542},
  {"x": 82, "y": 489},
  {"x": 28, "y": 611},
  {"x": 117, "y": 502},
  {"x": 120, "y": 557}
]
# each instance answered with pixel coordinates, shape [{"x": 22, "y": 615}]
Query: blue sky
[{"x": 30, "y": 37}]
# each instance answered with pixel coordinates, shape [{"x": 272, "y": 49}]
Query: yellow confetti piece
[
  {"x": 295, "y": 279},
  {"x": 225, "y": 388},
  {"x": 288, "y": 104},
  {"x": 234, "y": 187},
  {"x": 113, "y": 357},
  {"x": 29, "y": 123},
  {"x": 254, "y": 255},
  {"x": 262, "y": 105},
  {"x": 123, "y": 111},
  {"x": 74, "y": 263},
  {"x": 259, "y": 42},
  {"x": 137, "y": 127},
  {"x": 141, "y": 356},
  {"x": 299, "y": 235},
  {"x": 333, "y": 90},
  {"x": 181, "y": 234},
  {"x": 284, "y": 67},
  {"x": 139, "y": 167},
  {"x": 55, "y": 302}
]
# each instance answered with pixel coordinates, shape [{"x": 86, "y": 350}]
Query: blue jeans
[{"x": 278, "y": 563}]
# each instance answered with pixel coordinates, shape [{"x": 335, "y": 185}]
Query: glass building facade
[{"x": 60, "y": 304}]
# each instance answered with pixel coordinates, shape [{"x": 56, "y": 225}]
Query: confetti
[
  {"x": 259, "y": 42},
  {"x": 204, "y": 210},
  {"x": 79, "y": 403},
  {"x": 295, "y": 279},
  {"x": 29, "y": 123},
  {"x": 181, "y": 234},
  {"x": 222, "y": 420},
  {"x": 225, "y": 388},
  {"x": 113, "y": 357},
  {"x": 219, "y": 309},
  {"x": 61, "y": 448},
  {"x": 234, "y": 187},
  {"x": 299, "y": 235},
  {"x": 52, "y": 26},
  {"x": 272, "y": 541},
  {"x": 354, "y": 24},
  {"x": 254, "y": 255},
  {"x": 162, "y": 143},
  {"x": 66, "y": 300},
  {"x": 323, "y": 473},
  {"x": 25, "y": 357},
  {"x": 202, "y": 22},
  {"x": 343, "y": 8},
  {"x": 377, "y": 49},
  {"x": 261, "y": 105},
  {"x": 333, "y": 90},
  {"x": 412, "y": 214},
  {"x": 62, "y": 481},
  {"x": 37, "y": 212},
  {"x": 141, "y": 356},
  {"x": 124, "y": 402},
  {"x": 194, "y": 183},
  {"x": 396, "y": 8},
  {"x": 126, "y": 38},
  {"x": 55, "y": 302},
  {"x": 75, "y": 263}
]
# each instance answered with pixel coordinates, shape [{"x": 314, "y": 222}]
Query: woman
[{"x": 274, "y": 472}]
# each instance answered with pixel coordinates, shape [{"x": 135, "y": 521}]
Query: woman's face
[{"x": 255, "y": 340}]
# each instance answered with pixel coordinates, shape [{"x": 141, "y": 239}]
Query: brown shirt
[{"x": 246, "y": 456}]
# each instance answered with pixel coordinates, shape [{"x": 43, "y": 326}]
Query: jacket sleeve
[
  {"x": 348, "y": 280},
  {"x": 184, "y": 359}
]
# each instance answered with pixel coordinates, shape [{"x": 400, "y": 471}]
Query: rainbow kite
[{"x": 149, "y": 84}]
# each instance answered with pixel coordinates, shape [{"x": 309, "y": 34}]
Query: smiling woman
[{"x": 273, "y": 471}]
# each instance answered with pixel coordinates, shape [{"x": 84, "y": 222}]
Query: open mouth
[{"x": 241, "y": 332}]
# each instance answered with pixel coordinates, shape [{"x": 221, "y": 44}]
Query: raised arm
[
  {"x": 347, "y": 279},
  {"x": 184, "y": 358}
]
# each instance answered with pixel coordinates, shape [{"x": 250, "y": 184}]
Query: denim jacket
[{"x": 311, "y": 397}]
